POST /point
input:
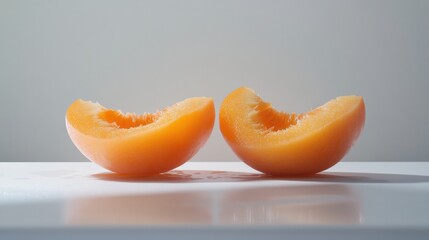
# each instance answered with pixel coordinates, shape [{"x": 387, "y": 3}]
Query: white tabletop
[{"x": 213, "y": 200}]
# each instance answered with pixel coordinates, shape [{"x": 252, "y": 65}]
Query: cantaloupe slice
[
  {"x": 279, "y": 143},
  {"x": 144, "y": 144}
]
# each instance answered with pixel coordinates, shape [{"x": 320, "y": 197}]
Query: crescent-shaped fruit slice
[
  {"x": 144, "y": 144},
  {"x": 283, "y": 144}
]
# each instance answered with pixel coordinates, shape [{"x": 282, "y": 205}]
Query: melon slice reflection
[{"x": 283, "y": 205}]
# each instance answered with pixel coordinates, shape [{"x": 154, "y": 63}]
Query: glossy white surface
[{"x": 350, "y": 197}]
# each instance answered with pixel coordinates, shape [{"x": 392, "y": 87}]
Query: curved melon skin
[
  {"x": 146, "y": 150},
  {"x": 313, "y": 145}
]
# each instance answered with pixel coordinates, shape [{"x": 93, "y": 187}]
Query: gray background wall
[{"x": 144, "y": 55}]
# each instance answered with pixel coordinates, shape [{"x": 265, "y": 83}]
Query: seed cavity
[
  {"x": 127, "y": 120},
  {"x": 268, "y": 119}
]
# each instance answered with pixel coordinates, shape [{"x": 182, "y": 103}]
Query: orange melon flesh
[
  {"x": 289, "y": 144},
  {"x": 145, "y": 144}
]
